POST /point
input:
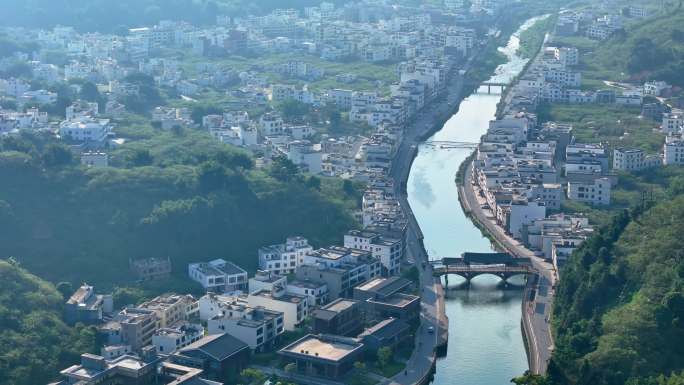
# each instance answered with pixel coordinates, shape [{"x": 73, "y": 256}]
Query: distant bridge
[
  {"x": 471, "y": 265},
  {"x": 489, "y": 86},
  {"x": 449, "y": 144}
]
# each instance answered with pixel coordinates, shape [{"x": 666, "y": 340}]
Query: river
[{"x": 485, "y": 340}]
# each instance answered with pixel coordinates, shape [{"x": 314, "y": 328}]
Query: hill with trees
[
  {"x": 619, "y": 309},
  {"x": 181, "y": 195},
  {"x": 35, "y": 343},
  {"x": 647, "y": 49}
]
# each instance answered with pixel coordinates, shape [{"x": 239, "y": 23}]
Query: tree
[
  {"x": 56, "y": 155},
  {"x": 255, "y": 376},
  {"x": 335, "y": 120},
  {"x": 385, "y": 356},
  {"x": 348, "y": 187},
  {"x": 314, "y": 183},
  {"x": 66, "y": 289},
  {"x": 293, "y": 109},
  {"x": 211, "y": 176},
  {"x": 283, "y": 169},
  {"x": 90, "y": 93},
  {"x": 139, "y": 158},
  {"x": 530, "y": 379}
]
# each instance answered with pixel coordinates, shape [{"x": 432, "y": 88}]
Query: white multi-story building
[
  {"x": 317, "y": 292},
  {"x": 218, "y": 276},
  {"x": 271, "y": 124},
  {"x": 295, "y": 308},
  {"x": 672, "y": 122},
  {"x": 85, "y": 130},
  {"x": 594, "y": 193},
  {"x": 257, "y": 327},
  {"x": 172, "y": 308},
  {"x": 283, "y": 258},
  {"x": 388, "y": 251},
  {"x": 168, "y": 340},
  {"x": 95, "y": 159},
  {"x": 673, "y": 150},
  {"x": 568, "y": 56},
  {"x": 633, "y": 159},
  {"x": 520, "y": 213}
]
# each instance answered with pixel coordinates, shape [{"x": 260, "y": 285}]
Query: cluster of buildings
[
  {"x": 423, "y": 44},
  {"x": 352, "y": 294}
]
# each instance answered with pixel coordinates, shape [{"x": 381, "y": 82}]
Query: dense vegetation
[
  {"x": 620, "y": 303},
  {"x": 532, "y": 38},
  {"x": 35, "y": 343},
  {"x": 178, "y": 194}
]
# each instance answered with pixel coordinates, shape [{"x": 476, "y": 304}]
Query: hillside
[
  {"x": 619, "y": 311},
  {"x": 186, "y": 196},
  {"x": 35, "y": 343},
  {"x": 652, "y": 48}
]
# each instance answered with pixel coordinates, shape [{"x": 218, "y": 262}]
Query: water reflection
[{"x": 485, "y": 341}]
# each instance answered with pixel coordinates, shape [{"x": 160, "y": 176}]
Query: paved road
[{"x": 536, "y": 314}]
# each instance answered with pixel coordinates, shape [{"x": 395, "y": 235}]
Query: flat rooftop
[
  {"x": 398, "y": 300},
  {"x": 340, "y": 305},
  {"x": 331, "y": 349}
]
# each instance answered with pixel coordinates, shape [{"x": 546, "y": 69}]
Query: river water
[{"x": 485, "y": 340}]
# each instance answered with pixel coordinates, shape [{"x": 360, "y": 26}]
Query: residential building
[
  {"x": 633, "y": 159},
  {"x": 150, "y": 269},
  {"x": 673, "y": 151},
  {"x": 521, "y": 212},
  {"x": 95, "y": 159},
  {"x": 323, "y": 356},
  {"x": 673, "y": 122},
  {"x": 257, "y": 327},
  {"x": 126, "y": 369},
  {"x": 388, "y": 251},
  {"x": 283, "y": 258},
  {"x": 168, "y": 340},
  {"x": 295, "y": 308},
  {"x": 136, "y": 327},
  {"x": 87, "y": 307},
  {"x": 265, "y": 280},
  {"x": 340, "y": 269},
  {"x": 316, "y": 292},
  {"x": 171, "y": 309},
  {"x": 218, "y": 276},
  {"x": 85, "y": 129},
  {"x": 342, "y": 317},
  {"x": 594, "y": 193}
]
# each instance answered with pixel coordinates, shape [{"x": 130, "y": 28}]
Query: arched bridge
[
  {"x": 449, "y": 144},
  {"x": 470, "y": 265}
]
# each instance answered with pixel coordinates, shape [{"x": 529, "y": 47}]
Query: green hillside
[
  {"x": 652, "y": 48},
  {"x": 619, "y": 310},
  {"x": 182, "y": 195},
  {"x": 35, "y": 344}
]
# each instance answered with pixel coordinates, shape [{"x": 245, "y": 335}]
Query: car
[{"x": 431, "y": 330}]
